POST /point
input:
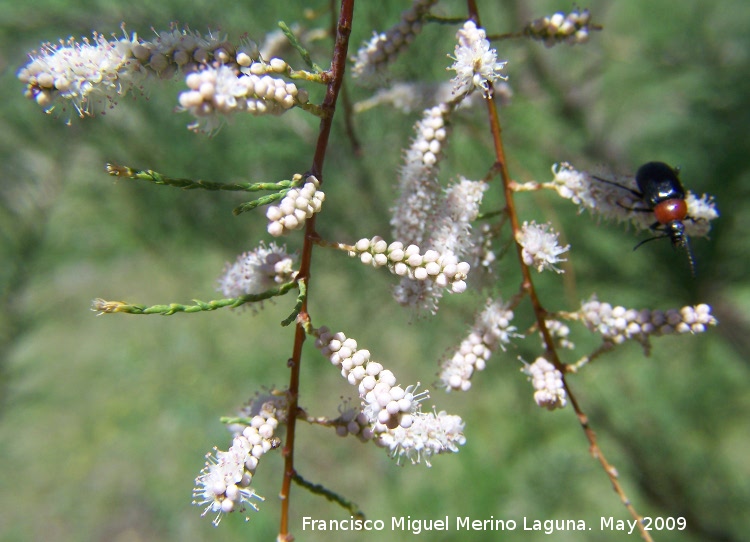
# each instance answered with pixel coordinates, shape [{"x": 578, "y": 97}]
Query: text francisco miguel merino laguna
[{"x": 417, "y": 526}]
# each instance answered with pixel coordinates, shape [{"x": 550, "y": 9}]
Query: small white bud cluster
[
  {"x": 384, "y": 403},
  {"x": 431, "y": 132},
  {"x": 549, "y": 389},
  {"x": 443, "y": 269},
  {"x": 559, "y": 333},
  {"x": 266, "y": 404},
  {"x": 572, "y": 28},
  {"x": 185, "y": 50},
  {"x": 476, "y": 64},
  {"x": 261, "y": 67},
  {"x": 618, "y": 324},
  {"x": 619, "y": 203},
  {"x": 295, "y": 208},
  {"x": 353, "y": 421},
  {"x": 539, "y": 246},
  {"x": 491, "y": 330},
  {"x": 219, "y": 91},
  {"x": 257, "y": 271},
  {"x": 374, "y": 56}
]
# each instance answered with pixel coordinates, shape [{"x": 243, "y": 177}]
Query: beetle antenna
[
  {"x": 685, "y": 243},
  {"x": 650, "y": 239},
  {"x": 613, "y": 183}
]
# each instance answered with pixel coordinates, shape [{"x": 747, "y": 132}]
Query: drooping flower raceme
[
  {"x": 491, "y": 330},
  {"x": 540, "y": 248},
  {"x": 389, "y": 414},
  {"x": 476, "y": 64},
  {"x": 257, "y": 271}
]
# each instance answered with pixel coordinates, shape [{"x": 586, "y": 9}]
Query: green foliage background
[{"x": 105, "y": 420}]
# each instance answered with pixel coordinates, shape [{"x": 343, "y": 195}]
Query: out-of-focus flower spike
[
  {"x": 374, "y": 56},
  {"x": 572, "y": 28}
]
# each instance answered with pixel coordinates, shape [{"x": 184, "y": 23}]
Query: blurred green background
[{"x": 104, "y": 421}]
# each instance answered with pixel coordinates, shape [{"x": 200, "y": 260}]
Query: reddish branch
[
  {"x": 527, "y": 287},
  {"x": 335, "y": 77}
]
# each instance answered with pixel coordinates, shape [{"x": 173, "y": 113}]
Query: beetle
[{"x": 662, "y": 192}]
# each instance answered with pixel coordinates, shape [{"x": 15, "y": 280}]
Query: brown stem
[
  {"x": 335, "y": 78},
  {"x": 527, "y": 286}
]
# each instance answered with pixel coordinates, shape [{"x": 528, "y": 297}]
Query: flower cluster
[
  {"x": 219, "y": 91},
  {"x": 298, "y": 205},
  {"x": 443, "y": 269},
  {"x": 223, "y": 485},
  {"x": 476, "y": 64},
  {"x": 91, "y": 74},
  {"x": 389, "y": 415},
  {"x": 572, "y": 28},
  {"x": 491, "y": 330},
  {"x": 447, "y": 231},
  {"x": 619, "y": 203},
  {"x": 539, "y": 246},
  {"x": 374, "y": 56},
  {"x": 549, "y": 388},
  {"x": 185, "y": 50},
  {"x": 257, "y": 271},
  {"x": 618, "y": 324},
  {"x": 353, "y": 421},
  {"x": 559, "y": 333},
  {"x": 430, "y": 434},
  {"x": 222, "y": 79}
]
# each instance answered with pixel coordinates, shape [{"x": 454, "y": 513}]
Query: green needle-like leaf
[
  {"x": 105, "y": 307},
  {"x": 190, "y": 184}
]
